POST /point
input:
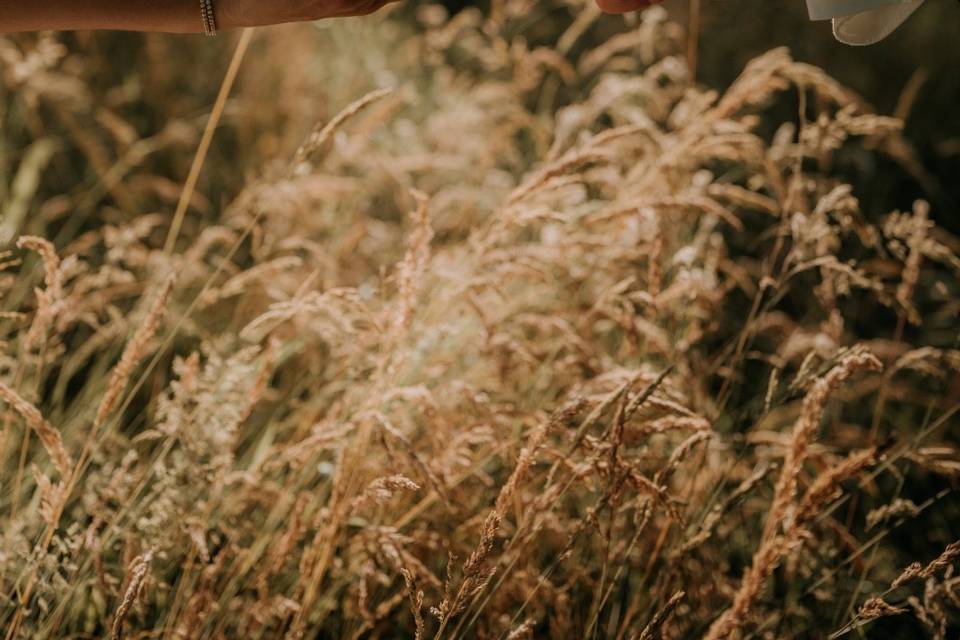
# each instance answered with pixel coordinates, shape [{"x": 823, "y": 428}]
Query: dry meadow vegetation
[{"x": 538, "y": 337}]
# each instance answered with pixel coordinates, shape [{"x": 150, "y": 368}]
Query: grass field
[{"x": 496, "y": 324}]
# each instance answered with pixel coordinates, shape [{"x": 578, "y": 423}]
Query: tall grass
[{"x": 533, "y": 336}]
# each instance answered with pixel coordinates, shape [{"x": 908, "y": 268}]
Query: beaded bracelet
[{"x": 209, "y": 21}]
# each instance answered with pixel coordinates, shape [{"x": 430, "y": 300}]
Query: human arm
[
  {"x": 184, "y": 16},
  {"x": 172, "y": 16}
]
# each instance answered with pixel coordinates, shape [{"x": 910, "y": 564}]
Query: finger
[{"x": 624, "y": 6}]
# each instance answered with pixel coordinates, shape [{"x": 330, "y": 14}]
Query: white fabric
[
  {"x": 873, "y": 26},
  {"x": 863, "y": 22},
  {"x": 829, "y": 9}
]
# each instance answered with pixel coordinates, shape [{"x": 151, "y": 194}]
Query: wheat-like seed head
[{"x": 134, "y": 351}]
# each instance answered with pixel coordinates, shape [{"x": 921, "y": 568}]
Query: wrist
[{"x": 208, "y": 18}]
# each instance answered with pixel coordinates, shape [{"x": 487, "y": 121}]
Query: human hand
[
  {"x": 625, "y": 6},
  {"x": 253, "y": 13}
]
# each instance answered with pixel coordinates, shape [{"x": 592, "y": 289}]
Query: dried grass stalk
[
  {"x": 951, "y": 553},
  {"x": 877, "y": 608},
  {"x": 138, "y": 573},
  {"x": 476, "y": 574},
  {"x": 524, "y": 631},
  {"x": 806, "y": 427},
  {"x": 416, "y": 602},
  {"x": 134, "y": 352},
  {"x": 911, "y": 270},
  {"x": 773, "y": 545},
  {"x": 319, "y": 138},
  {"x": 49, "y": 436},
  {"x": 48, "y": 299},
  {"x": 899, "y": 508},
  {"x": 381, "y": 490},
  {"x": 913, "y": 570},
  {"x": 652, "y": 630},
  {"x": 529, "y": 452},
  {"x": 827, "y": 485}
]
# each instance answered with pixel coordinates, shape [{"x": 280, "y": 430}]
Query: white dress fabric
[{"x": 863, "y": 22}]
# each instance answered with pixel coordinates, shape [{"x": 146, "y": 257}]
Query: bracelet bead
[{"x": 208, "y": 18}]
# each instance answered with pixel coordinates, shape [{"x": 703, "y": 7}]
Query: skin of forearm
[
  {"x": 172, "y": 16},
  {"x": 184, "y": 16}
]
